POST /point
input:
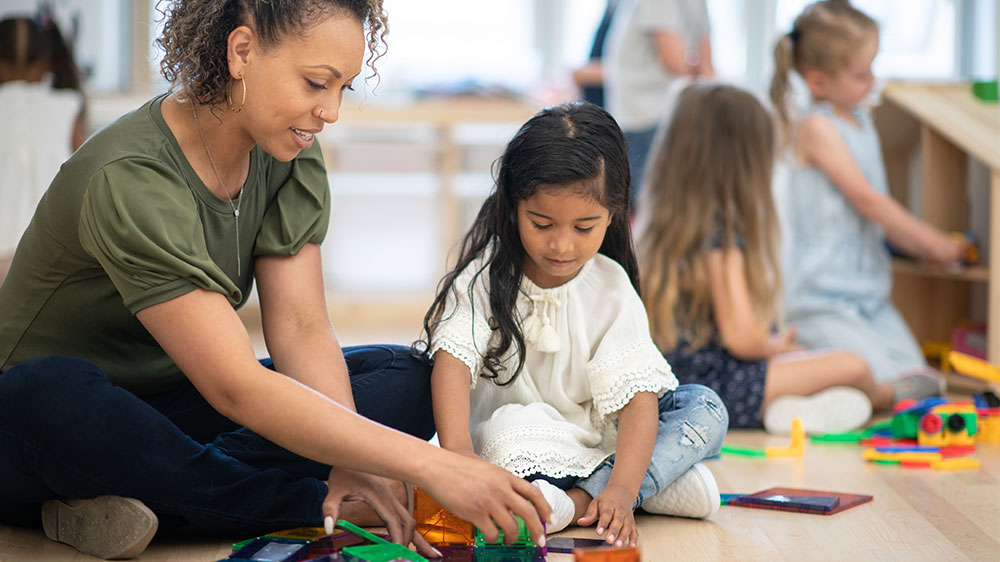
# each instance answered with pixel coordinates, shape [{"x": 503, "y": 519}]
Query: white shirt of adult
[
  {"x": 36, "y": 135},
  {"x": 637, "y": 86}
]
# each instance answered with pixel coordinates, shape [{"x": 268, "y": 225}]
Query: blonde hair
[
  {"x": 823, "y": 38},
  {"x": 709, "y": 173}
]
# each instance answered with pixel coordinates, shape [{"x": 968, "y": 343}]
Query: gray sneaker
[
  {"x": 106, "y": 526},
  {"x": 925, "y": 383}
]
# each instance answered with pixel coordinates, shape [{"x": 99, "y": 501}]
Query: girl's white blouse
[{"x": 558, "y": 417}]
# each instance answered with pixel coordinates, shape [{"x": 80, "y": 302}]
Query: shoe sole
[
  {"x": 708, "y": 479},
  {"x": 106, "y": 526},
  {"x": 833, "y": 410}
]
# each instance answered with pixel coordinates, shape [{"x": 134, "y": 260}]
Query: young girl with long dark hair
[{"x": 543, "y": 359}]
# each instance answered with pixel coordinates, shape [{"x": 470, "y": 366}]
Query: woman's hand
[
  {"x": 612, "y": 510},
  {"x": 489, "y": 497},
  {"x": 345, "y": 485}
]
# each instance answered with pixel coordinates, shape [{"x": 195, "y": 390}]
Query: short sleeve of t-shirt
[
  {"x": 139, "y": 220},
  {"x": 300, "y": 211}
]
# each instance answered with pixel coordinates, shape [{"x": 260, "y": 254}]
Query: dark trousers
[{"x": 67, "y": 432}]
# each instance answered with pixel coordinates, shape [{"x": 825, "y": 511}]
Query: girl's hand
[
  {"x": 948, "y": 249},
  {"x": 612, "y": 509},
  {"x": 785, "y": 342},
  {"x": 345, "y": 485},
  {"x": 489, "y": 497}
]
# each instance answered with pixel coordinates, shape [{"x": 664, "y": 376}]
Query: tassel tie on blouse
[{"x": 537, "y": 328}]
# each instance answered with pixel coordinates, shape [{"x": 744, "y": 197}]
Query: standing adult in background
[
  {"x": 129, "y": 389},
  {"x": 41, "y": 119},
  {"x": 590, "y": 77},
  {"x": 651, "y": 45}
]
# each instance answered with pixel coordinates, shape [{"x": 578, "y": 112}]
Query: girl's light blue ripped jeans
[{"x": 693, "y": 423}]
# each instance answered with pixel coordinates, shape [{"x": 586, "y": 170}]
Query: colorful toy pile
[
  {"x": 930, "y": 433},
  {"x": 456, "y": 539},
  {"x": 312, "y": 543}
]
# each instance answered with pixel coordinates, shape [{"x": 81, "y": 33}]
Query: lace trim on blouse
[
  {"x": 532, "y": 449},
  {"x": 459, "y": 336},
  {"x": 616, "y": 378}
]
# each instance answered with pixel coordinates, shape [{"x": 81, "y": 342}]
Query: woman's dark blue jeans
[{"x": 67, "y": 432}]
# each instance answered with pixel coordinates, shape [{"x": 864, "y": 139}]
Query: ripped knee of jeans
[
  {"x": 715, "y": 407},
  {"x": 715, "y": 424},
  {"x": 692, "y": 434}
]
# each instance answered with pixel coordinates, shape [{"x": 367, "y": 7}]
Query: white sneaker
[
  {"x": 105, "y": 526},
  {"x": 694, "y": 494},
  {"x": 834, "y": 410},
  {"x": 561, "y": 504}
]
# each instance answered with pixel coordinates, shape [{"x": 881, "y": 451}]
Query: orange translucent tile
[
  {"x": 438, "y": 526},
  {"x": 620, "y": 554}
]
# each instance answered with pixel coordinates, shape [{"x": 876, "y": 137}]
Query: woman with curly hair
[{"x": 129, "y": 391}]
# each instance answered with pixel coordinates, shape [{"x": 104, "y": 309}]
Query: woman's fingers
[{"x": 424, "y": 547}]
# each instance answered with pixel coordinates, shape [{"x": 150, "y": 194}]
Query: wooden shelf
[
  {"x": 952, "y": 111},
  {"x": 976, "y": 273},
  {"x": 946, "y": 125}
]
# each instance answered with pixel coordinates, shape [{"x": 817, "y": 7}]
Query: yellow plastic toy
[
  {"x": 795, "y": 448},
  {"x": 911, "y": 456},
  {"x": 974, "y": 367},
  {"x": 948, "y": 425},
  {"x": 957, "y": 463},
  {"x": 988, "y": 425}
]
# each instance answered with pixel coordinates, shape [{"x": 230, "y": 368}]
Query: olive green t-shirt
[{"x": 127, "y": 224}]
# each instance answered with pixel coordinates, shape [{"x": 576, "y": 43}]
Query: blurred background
[{"x": 410, "y": 159}]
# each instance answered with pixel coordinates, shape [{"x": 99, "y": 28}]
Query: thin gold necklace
[{"x": 236, "y": 207}]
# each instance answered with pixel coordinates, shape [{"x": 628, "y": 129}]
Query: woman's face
[{"x": 296, "y": 86}]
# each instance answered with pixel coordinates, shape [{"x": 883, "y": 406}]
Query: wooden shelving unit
[{"x": 948, "y": 125}]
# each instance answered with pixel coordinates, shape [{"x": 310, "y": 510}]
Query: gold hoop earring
[{"x": 229, "y": 97}]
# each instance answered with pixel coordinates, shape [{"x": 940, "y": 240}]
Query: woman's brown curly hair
[{"x": 195, "y": 35}]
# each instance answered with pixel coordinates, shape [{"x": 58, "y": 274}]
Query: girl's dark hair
[
  {"x": 196, "y": 32},
  {"x": 576, "y": 143},
  {"x": 26, "y": 42}
]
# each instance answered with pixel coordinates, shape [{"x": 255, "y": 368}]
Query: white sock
[{"x": 561, "y": 504}]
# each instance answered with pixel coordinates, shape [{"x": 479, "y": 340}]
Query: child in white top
[
  {"x": 841, "y": 215},
  {"x": 543, "y": 305},
  {"x": 42, "y": 117}
]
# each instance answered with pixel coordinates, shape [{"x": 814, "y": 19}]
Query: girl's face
[
  {"x": 296, "y": 87},
  {"x": 561, "y": 229},
  {"x": 849, "y": 86}
]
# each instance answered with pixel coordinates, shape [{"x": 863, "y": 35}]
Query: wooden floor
[{"x": 917, "y": 514}]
